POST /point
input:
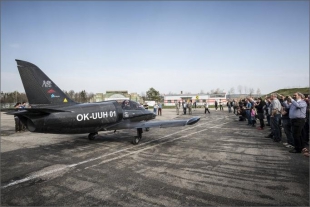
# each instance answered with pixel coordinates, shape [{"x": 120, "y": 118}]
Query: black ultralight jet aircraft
[{"x": 52, "y": 111}]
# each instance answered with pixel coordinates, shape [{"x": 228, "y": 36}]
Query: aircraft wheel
[
  {"x": 136, "y": 140},
  {"x": 92, "y": 136}
]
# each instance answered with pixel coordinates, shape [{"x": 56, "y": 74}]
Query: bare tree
[
  {"x": 143, "y": 96},
  {"x": 90, "y": 96},
  {"x": 231, "y": 91},
  {"x": 77, "y": 97},
  {"x": 71, "y": 94},
  {"x": 201, "y": 91},
  {"x": 258, "y": 92},
  {"x": 13, "y": 97},
  {"x": 217, "y": 90},
  {"x": 240, "y": 89},
  {"x": 251, "y": 91},
  {"x": 245, "y": 89}
]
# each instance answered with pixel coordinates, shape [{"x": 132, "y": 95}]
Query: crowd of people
[
  {"x": 279, "y": 112},
  {"x": 186, "y": 106},
  {"x": 157, "y": 108}
]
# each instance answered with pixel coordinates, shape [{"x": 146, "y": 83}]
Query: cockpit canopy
[{"x": 131, "y": 105}]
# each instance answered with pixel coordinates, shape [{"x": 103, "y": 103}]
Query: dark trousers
[
  {"x": 207, "y": 110},
  {"x": 184, "y": 110},
  {"x": 159, "y": 111},
  {"x": 297, "y": 126},
  {"x": 275, "y": 126},
  {"x": 261, "y": 119},
  {"x": 305, "y": 132},
  {"x": 286, "y": 123},
  {"x": 268, "y": 119},
  {"x": 18, "y": 124},
  {"x": 229, "y": 109}
]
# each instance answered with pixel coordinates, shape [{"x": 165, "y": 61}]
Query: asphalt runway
[{"x": 219, "y": 162}]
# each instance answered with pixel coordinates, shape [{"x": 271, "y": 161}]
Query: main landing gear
[
  {"x": 92, "y": 136},
  {"x": 137, "y": 138}
]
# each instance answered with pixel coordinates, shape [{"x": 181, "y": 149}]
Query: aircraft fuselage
[{"x": 84, "y": 118}]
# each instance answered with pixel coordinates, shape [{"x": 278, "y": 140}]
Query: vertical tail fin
[{"x": 39, "y": 88}]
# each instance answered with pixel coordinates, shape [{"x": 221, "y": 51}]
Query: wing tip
[{"x": 193, "y": 120}]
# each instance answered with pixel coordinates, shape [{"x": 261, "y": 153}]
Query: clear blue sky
[{"x": 171, "y": 46}]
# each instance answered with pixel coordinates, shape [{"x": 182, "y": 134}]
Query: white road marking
[
  {"x": 170, "y": 140},
  {"x": 90, "y": 160}
]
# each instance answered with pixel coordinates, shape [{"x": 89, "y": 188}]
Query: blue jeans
[{"x": 248, "y": 116}]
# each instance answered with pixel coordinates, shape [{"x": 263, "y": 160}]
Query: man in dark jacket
[{"x": 260, "y": 112}]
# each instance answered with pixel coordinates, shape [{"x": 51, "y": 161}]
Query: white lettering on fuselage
[{"x": 95, "y": 115}]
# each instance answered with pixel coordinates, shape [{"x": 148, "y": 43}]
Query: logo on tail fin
[
  {"x": 51, "y": 91},
  {"x": 47, "y": 84},
  {"x": 65, "y": 100},
  {"x": 54, "y": 96}
]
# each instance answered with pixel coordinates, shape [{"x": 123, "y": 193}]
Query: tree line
[
  {"x": 84, "y": 96},
  {"x": 14, "y": 97},
  {"x": 80, "y": 97}
]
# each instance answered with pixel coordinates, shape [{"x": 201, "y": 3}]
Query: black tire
[
  {"x": 136, "y": 140},
  {"x": 92, "y": 136}
]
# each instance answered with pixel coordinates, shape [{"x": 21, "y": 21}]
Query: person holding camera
[
  {"x": 259, "y": 105},
  {"x": 297, "y": 114},
  {"x": 286, "y": 123}
]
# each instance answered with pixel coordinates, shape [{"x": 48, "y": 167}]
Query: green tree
[
  {"x": 83, "y": 96},
  {"x": 152, "y": 94}
]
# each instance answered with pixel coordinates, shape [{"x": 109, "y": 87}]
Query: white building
[{"x": 200, "y": 99}]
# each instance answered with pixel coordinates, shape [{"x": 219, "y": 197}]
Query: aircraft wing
[
  {"x": 151, "y": 124},
  {"x": 26, "y": 111}
]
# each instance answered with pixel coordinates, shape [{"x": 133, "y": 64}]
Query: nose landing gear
[{"x": 137, "y": 138}]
